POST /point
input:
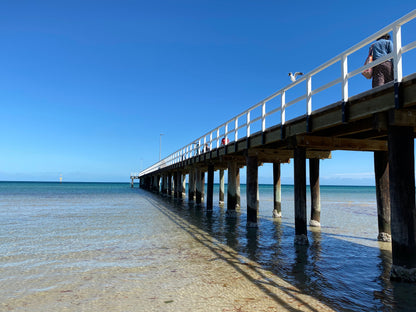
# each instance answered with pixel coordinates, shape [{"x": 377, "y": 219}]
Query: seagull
[{"x": 293, "y": 76}]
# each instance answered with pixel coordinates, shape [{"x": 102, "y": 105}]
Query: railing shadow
[{"x": 283, "y": 293}]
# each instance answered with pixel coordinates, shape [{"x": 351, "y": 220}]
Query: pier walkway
[{"x": 381, "y": 120}]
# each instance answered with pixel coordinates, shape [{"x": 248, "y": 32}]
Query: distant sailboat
[{"x": 60, "y": 178}]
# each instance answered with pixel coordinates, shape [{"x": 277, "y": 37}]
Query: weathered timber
[
  {"x": 301, "y": 237},
  {"x": 231, "y": 190},
  {"x": 252, "y": 191},
  {"x": 199, "y": 186},
  {"x": 315, "y": 192},
  {"x": 179, "y": 185},
  {"x": 169, "y": 184},
  {"x": 381, "y": 172},
  {"x": 183, "y": 184},
  {"x": 237, "y": 188},
  {"x": 277, "y": 191},
  {"x": 402, "y": 203},
  {"x": 191, "y": 185},
  {"x": 222, "y": 186},
  {"x": 163, "y": 184},
  {"x": 402, "y": 117},
  {"x": 335, "y": 143},
  {"x": 210, "y": 187}
]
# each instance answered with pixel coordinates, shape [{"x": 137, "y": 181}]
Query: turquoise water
[{"x": 55, "y": 235}]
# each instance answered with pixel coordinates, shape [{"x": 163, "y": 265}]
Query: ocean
[{"x": 110, "y": 247}]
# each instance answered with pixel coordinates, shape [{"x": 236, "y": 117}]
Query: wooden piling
[
  {"x": 315, "y": 192},
  {"x": 210, "y": 187},
  {"x": 237, "y": 188},
  {"x": 402, "y": 203},
  {"x": 169, "y": 184},
  {"x": 198, "y": 183},
  {"x": 202, "y": 186},
  {"x": 222, "y": 186},
  {"x": 231, "y": 190},
  {"x": 183, "y": 185},
  {"x": 132, "y": 182},
  {"x": 179, "y": 185},
  {"x": 163, "y": 184},
  {"x": 175, "y": 184},
  {"x": 381, "y": 172},
  {"x": 277, "y": 191},
  {"x": 191, "y": 186},
  {"x": 301, "y": 237},
  {"x": 252, "y": 191}
]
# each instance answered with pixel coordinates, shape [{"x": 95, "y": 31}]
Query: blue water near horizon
[{"x": 344, "y": 265}]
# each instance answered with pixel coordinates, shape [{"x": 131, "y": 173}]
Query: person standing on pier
[{"x": 383, "y": 72}]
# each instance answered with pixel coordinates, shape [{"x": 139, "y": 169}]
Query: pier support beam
[
  {"x": 132, "y": 183},
  {"x": 231, "y": 191},
  {"x": 169, "y": 184},
  {"x": 222, "y": 187},
  {"x": 180, "y": 185},
  {"x": 402, "y": 203},
  {"x": 175, "y": 184},
  {"x": 381, "y": 172},
  {"x": 191, "y": 186},
  {"x": 200, "y": 181},
  {"x": 183, "y": 195},
  {"x": 252, "y": 191},
  {"x": 277, "y": 191},
  {"x": 237, "y": 187},
  {"x": 301, "y": 236},
  {"x": 163, "y": 187},
  {"x": 210, "y": 187},
  {"x": 315, "y": 192}
]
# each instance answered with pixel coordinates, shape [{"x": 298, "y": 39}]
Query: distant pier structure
[{"x": 381, "y": 120}]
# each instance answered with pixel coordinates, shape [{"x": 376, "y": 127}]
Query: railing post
[
  {"x": 283, "y": 107},
  {"x": 248, "y": 124},
  {"x": 218, "y": 137},
  {"x": 344, "y": 69},
  {"x": 236, "y": 130},
  {"x": 308, "y": 102},
  {"x": 226, "y": 133},
  {"x": 308, "y": 95},
  {"x": 263, "y": 117},
  {"x": 397, "y": 53}
]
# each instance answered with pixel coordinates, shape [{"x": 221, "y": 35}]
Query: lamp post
[{"x": 160, "y": 146}]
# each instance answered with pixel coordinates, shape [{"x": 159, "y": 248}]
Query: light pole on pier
[{"x": 160, "y": 146}]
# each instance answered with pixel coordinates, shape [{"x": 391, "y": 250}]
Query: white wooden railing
[{"x": 230, "y": 130}]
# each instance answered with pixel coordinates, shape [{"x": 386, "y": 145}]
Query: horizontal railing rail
[{"x": 229, "y": 131}]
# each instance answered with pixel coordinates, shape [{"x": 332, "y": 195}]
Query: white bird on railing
[{"x": 293, "y": 76}]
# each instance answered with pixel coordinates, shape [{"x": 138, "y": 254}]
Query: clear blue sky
[{"x": 86, "y": 87}]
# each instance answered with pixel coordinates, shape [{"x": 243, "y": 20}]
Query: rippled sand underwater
[{"x": 117, "y": 249}]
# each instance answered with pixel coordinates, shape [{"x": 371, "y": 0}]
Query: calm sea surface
[{"x": 57, "y": 239}]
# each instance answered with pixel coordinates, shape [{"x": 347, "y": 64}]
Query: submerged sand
[{"x": 189, "y": 271}]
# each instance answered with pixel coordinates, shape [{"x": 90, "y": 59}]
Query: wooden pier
[{"x": 381, "y": 120}]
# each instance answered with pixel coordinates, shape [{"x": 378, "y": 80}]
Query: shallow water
[{"x": 90, "y": 246}]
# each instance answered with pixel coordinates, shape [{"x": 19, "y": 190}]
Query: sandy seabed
[{"x": 190, "y": 271}]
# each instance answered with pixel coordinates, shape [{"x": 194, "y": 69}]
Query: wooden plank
[
  {"x": 362, "y": 109},
  {"x": 334, "y": 143},
  {"x": 402, "y": 117}
]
